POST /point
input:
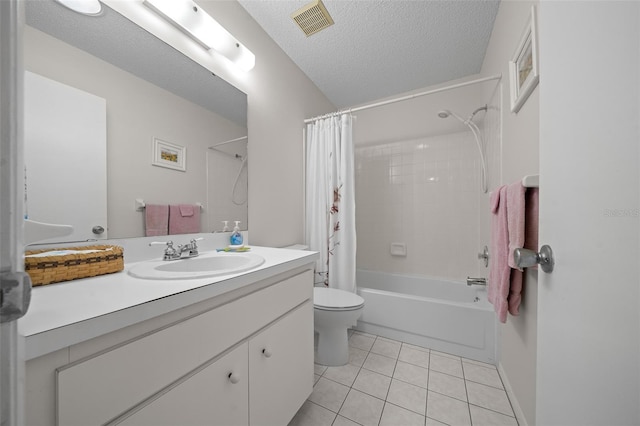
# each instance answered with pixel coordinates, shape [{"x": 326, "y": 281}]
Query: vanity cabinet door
[
  {"x": 281, "y": 368},
  {"x": 215, "y": 395}
]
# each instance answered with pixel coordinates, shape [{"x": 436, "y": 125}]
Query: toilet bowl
[{"x": 334, "y": 311}]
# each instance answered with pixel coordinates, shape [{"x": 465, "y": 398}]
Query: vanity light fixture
[
  {"x": 86, "y": 7},
  {"x": 192, "y": 20}
]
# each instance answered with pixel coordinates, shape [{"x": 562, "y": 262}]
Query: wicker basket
[{"x": 58, "y": 268}]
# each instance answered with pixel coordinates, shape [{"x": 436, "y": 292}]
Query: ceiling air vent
[{"x": 312, "y": 18}]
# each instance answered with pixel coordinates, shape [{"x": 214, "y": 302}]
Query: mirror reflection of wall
[
  {"x": 227, "y": 163},
  {"x": 151, "y": 92}
]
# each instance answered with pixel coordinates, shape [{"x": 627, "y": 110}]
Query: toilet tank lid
[
  {"x": 297, "y": 247},
  {"x": 335, "y": 298}
]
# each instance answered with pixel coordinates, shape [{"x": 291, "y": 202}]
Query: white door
[
  {"x": 588, "y": 369},
  {"x": 65, "y": 151},
  {"x": 13, "y": 280}
]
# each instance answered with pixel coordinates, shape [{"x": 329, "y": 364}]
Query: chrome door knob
[{"x": 525, "y": 258}]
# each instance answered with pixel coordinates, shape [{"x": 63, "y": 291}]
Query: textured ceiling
[
  {"x": 378, "y": 48},
  {"x": 375, "y": 49},
  {"x": 114, "y": 39}
]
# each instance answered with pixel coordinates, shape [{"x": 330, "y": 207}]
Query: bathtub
[{"x": 446, "y": 316}]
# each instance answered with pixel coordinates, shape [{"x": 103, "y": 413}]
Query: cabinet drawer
[
  {"x": 101, "y": 388},
  {"x": 206, "y": 398}
]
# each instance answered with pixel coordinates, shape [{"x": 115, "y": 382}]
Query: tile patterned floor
[{"x": 390, "y": 383}]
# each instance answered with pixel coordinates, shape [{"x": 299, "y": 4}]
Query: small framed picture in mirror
[{"x": 169, "y": 155}]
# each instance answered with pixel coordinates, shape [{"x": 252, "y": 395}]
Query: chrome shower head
[{"x": 445, "y": 113}]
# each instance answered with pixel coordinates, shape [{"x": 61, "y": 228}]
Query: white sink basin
[{"x": 203, "y": 266}]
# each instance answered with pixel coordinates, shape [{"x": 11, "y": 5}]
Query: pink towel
[
  {"x": 156, "y": 218},
  {"x": 516, "y": 230},
  {"x": 531, "y": 242},
  {"x": 499, "y": 271},
  {"x": 515, "y": 218},
  {"x": 180, "y": 223},
  {"x": 186, "y": 210},
  {"x": 512, "y": 208}
]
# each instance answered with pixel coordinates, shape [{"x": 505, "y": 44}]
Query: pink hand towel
[
  {"x": 515, "y": 292},
  {"x": 156, "y": 218},
  {"x": 512, "y": 208},
  {"x": 530, "y": 242},
  {"x": 499, "y": 271},
  {"x": 516, "y": 230},
  {"x": 186, "y": 210},
  {"x": 515, "y": 218},
  {"x": 181, "y": 224}
]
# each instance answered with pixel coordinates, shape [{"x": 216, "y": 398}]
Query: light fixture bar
[
  {"x": 192, "y": 20},
  {"x": 85, "y": 7}
]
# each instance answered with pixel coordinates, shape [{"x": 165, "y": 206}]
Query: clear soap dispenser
[{"x": 236, "y": 237}]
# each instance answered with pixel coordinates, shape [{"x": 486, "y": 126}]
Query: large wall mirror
[{"x": 156, "y": 98}]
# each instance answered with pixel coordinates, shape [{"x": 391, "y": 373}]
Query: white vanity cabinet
[
  {"x": 276, "y": 382},
  {"x": 244, "y": 361},
  {"x": 278, "y": 368},
  {"x": 271, "y": 369},
  {"x": 217, "y": 394}
]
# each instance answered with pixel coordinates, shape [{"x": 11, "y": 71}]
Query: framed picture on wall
[
  {"x": 523, "y": 67},
  {"x": 169, "y": 155}
]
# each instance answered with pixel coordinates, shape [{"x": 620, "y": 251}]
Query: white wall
[
  {"x": 137, "y": 111},
  {"x": 229, "y": 175},
  {"x": 511, "y": 157},
  {"x": 280, "y": 97}
]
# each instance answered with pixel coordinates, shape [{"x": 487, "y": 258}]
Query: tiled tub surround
[
  {"x": 424, "y": 193},
  {"x": 390, "y": 383}
]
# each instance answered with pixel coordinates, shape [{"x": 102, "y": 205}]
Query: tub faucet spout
[{"x": 476, "y": 281}]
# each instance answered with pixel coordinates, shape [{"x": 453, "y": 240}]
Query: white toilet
[{"x": 334, "y": 311}]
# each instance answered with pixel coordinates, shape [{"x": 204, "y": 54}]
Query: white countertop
[{"x": 67, "y": 313}]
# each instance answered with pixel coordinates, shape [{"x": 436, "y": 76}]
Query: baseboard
[{"x": 522, "y": 421}]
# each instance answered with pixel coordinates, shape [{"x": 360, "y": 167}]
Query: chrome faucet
[
  {"x": 173, "y": 253},
  {"x": 191, "y": 248},
  {"x": 476, "y": 281}
]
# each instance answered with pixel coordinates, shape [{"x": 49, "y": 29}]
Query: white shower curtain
[{"x": 330, "y": 201}]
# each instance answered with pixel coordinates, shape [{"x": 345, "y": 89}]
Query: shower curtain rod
[
  {"x": 404, "y": 98},
  {"x": 230, "y": 141}
]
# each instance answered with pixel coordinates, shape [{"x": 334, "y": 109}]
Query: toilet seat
[{"x": 332, "y": 299}]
